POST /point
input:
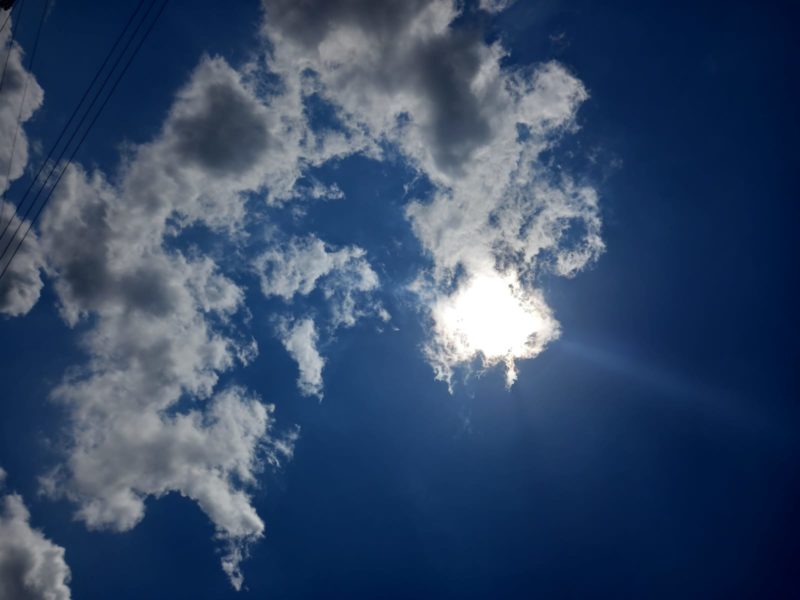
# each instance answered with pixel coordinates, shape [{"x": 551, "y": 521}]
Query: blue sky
[{"x": 258, "y": 321}]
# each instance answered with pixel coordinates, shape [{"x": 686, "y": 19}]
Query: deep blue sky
[{"x": 652, "y": 451}]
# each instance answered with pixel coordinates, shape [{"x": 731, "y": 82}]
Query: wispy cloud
[{"x": 345, "y": 280}]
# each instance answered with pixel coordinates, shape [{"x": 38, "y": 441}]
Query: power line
[
  {"x": 83, "y": 138},
  {"x": 5, "y": 21},
  {"x": 75, "y": 111},
  {"x": 54, "y": 165}
]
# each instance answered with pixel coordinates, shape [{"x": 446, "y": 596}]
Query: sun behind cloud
[{"x": 491, "y": 317}]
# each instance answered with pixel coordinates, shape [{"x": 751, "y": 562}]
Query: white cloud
[
  {"x": 300, "y": 340},
  {"x": 160, "y": 320},
  {"x": 295, "y": 267},
  {"x": 495, "y": 6},
  {"x": 346, "y": 280},
  {"x": 403, "y": 74},
  {"x": 21, "y": 97},
  {"x": 31, "y": 566},
  {"x": 145, "y": 417},
  {"x": 305, "y": 263}
]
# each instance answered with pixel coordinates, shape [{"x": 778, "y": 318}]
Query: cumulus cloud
[
  {"x": 402, "y": 77},
  {"x": 406, "y": 74},
  {"x": 31, "y": 566},
  {"x": 21, "y": 97},
  {"x": 160, "y": 321}
]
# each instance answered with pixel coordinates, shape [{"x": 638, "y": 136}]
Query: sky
[{"x": 401, "y": 299}]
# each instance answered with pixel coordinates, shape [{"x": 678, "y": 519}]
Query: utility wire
[
  {"x": 18, "y": 124},
  {"x": 5, "y": 21},
  {"x": 56, "y": 164},
  {"x": 75, "y": 111},
  {"x": 83, "y": 138}
]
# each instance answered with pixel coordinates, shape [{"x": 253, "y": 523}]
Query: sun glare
[{"x": 491, "y": 316}]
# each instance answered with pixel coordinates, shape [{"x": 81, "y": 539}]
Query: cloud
[
  {"x": 304, "y": 264},
  {"x": 21, "y": 97},
  {"x": 346, "y": 280},
  {"x": 158, "y": 322},
  {"x": 227, "y": 135},
  {"x": 296, "y": 267},
  {"x": 300, "y": 340},
  {"x": 495, "y": 6},
  {"x": 31, "y": 566},
  {"x": 22, "y": 283},
  {"x": 412, "y": 76},
  {"x": 394, "y": 69},
  {"x": 145, "y": 416},
  {"x": 159, "y": 319}
]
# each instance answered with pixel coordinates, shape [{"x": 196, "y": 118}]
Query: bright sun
[{"x": 490, "y": 315}]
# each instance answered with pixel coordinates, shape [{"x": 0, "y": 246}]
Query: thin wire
[
  {"x": 80, "y": 143},
  {"x": 5, "y": 21},
  {"x": 14, "y": 27},
  {"x": 54, "y": 165},
  {"x": 31, "y": 60},
  {"x": 73, "y": 115}
]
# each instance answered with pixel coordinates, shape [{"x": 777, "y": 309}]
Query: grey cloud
[
  {"x": 309, "y": 21},
  {"x": 226, "y": 136},
  {"x": 445, "y": 68},
  {"x": 400, "y": 58}
]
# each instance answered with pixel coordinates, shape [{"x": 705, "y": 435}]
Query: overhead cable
[{"x": 80, "y": 143}]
